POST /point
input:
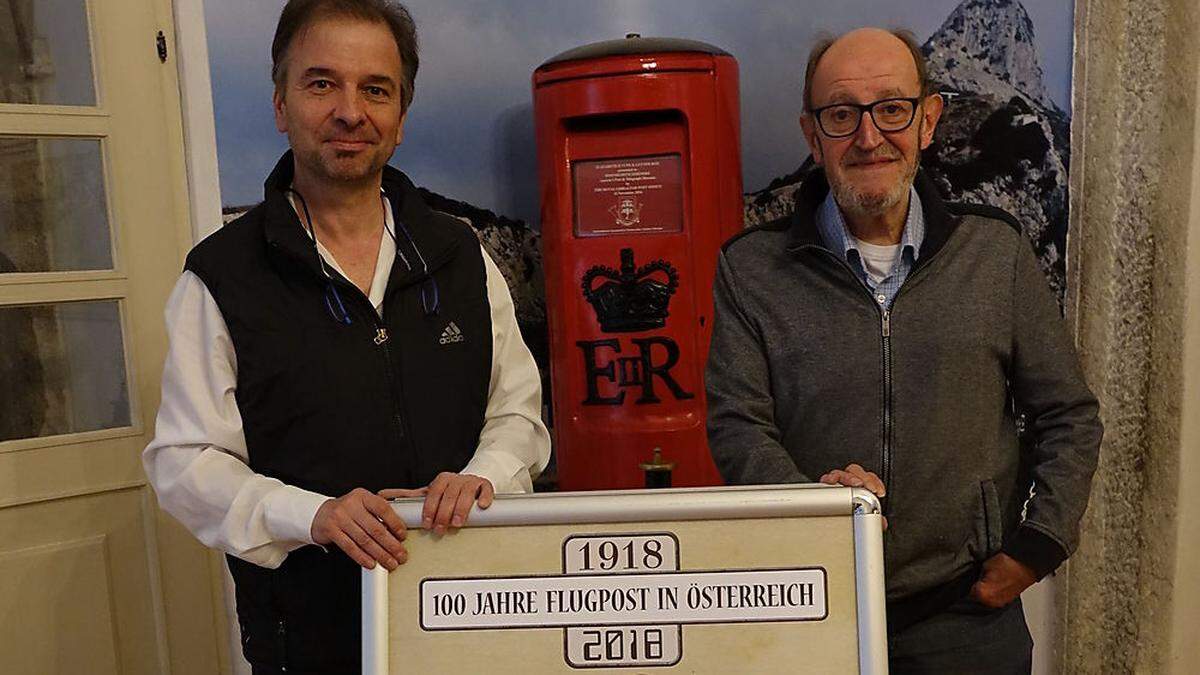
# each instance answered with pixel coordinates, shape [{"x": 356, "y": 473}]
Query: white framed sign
[{"x": 713, "y": 580}]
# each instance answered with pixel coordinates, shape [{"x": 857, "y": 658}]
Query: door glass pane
[
  {"x": 53, "y": 208},
  {"x": 62, "y": 369},
  {"x": 45, "y": 53}
]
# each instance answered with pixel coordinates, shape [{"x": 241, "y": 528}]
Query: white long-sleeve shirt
[{"x": 198, "y": 461}]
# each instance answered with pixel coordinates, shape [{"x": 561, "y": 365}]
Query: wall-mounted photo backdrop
[{"x": 469, "y": 139}]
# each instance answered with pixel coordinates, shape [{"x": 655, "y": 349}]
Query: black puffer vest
[{"x": 328, "y": 406}]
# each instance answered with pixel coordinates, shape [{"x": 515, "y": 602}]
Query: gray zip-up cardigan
[{"x": 807, "y": 373}]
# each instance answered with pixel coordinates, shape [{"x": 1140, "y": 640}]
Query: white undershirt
[
  {"x": 198, "y": 460},
  {"x": 877, "y": 260}
]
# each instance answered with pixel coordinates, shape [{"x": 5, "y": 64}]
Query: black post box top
[{"x": 634, "y": 44}]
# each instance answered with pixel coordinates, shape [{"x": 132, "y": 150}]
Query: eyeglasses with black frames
[{"x": 890, "y": 115}]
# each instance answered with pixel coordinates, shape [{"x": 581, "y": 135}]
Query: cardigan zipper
[
  {"x": 886, "y": 445},
  {"x": 885, "y": 332}
]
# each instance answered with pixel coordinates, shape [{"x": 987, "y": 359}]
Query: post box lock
[{"x": 658, "y": 472}]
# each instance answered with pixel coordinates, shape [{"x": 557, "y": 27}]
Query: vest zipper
[
  {"x": 281, "y": 650},
  {"x": 382, "y": 339}
]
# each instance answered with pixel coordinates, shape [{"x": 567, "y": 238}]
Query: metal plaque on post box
[
  {"x": 628, "y": 195},
  {"x": 771, "y": 579}
]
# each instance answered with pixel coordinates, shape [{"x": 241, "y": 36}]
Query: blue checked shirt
[{"x": 838, "y": 239}]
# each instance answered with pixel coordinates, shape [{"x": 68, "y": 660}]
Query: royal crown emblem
[{"x": 633, "y": 299}]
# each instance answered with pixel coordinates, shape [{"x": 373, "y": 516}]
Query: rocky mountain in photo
[
  {"x": 1001, "y": 141},
  {"x": 988, "y": 45}
]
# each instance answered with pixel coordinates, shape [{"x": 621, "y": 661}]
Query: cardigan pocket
[{"x": 989, "y": 526}]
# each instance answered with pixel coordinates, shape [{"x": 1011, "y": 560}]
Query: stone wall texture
[{"x": 1135, "y": 144}]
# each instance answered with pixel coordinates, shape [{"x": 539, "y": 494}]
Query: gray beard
[{"x": 856, "y": 203}]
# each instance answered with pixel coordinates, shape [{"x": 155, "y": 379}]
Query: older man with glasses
[{"x": 887, "y": 339}]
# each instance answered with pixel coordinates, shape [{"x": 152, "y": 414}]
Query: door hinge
[{"x": 161, "y": 41}]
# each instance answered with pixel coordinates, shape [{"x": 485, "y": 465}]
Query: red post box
[{"x": 640, "y": 165}]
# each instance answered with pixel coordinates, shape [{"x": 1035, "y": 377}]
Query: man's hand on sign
[
  {"x": 1004, "y": 578},
  {"x": 856, "y": 476},
  {"x": 362, "y": 524},
  {"x": 450, "y": 498}
]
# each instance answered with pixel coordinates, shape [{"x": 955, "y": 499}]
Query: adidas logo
[{"x": 451, "y": 334}]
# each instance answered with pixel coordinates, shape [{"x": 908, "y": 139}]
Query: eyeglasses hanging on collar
[{"x": 430, "y": 297}]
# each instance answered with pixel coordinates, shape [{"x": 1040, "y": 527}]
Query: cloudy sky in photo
[{"x": 469, "y": 134}]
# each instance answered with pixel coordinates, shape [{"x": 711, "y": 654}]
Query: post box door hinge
[{"x": 161, "y": 42}]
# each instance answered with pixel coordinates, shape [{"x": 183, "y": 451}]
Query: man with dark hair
[
  {"x": 339, "y": 345},
  {"x": 883, "y": 338},
  {"x": 298, "y": 14}
]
